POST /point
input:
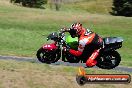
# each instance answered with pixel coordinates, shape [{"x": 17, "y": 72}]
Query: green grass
[
  {"x": 21, "y": 31},
  {"x": 92, "y": 6},
  {"x": 21, "y": 28},
  {"x": 34, "y": 75}
]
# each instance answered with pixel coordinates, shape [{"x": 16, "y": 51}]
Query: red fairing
[
  {"x": 75, "y": 53},
  {"x": 50, "y": 46}
]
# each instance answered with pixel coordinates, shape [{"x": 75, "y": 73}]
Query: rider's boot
[{"x": 91, "y": 60}]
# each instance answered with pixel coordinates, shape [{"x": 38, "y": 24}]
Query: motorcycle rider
[{"x": 88, "y": 42}]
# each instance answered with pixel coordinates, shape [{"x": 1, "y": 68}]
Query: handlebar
[{"x": 58, "y": 37}]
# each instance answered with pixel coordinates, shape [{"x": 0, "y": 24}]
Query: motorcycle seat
[{"x": 110, "y": 40}]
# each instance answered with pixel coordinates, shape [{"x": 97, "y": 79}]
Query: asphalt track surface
[{"x": 30, "y": 59}]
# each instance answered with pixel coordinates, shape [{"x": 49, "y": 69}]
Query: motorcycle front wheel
[
  {"x": 46, "y": 56},
  {"x": 109, "y": 60}
]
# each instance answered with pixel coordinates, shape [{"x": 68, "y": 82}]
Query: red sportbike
[{"x": 108, "y": 57}]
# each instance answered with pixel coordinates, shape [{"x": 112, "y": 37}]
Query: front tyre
[
  {"x": 109, "y": 60},
  {"x": 46, "y": 56}
]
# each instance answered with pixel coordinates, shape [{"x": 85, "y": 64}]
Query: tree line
[{"x": 122, "y": 8}]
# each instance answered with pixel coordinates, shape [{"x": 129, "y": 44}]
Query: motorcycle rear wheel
[
  {"x": 109, "y": 60},
  {"x": 47, "y": 57}
]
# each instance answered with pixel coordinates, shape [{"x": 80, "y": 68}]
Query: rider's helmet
[{"x": 75, "y": 29}]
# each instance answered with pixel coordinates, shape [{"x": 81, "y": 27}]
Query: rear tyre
[
  {"x": 109, "y": 60},
  {"x": 46, "y": 56}
]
